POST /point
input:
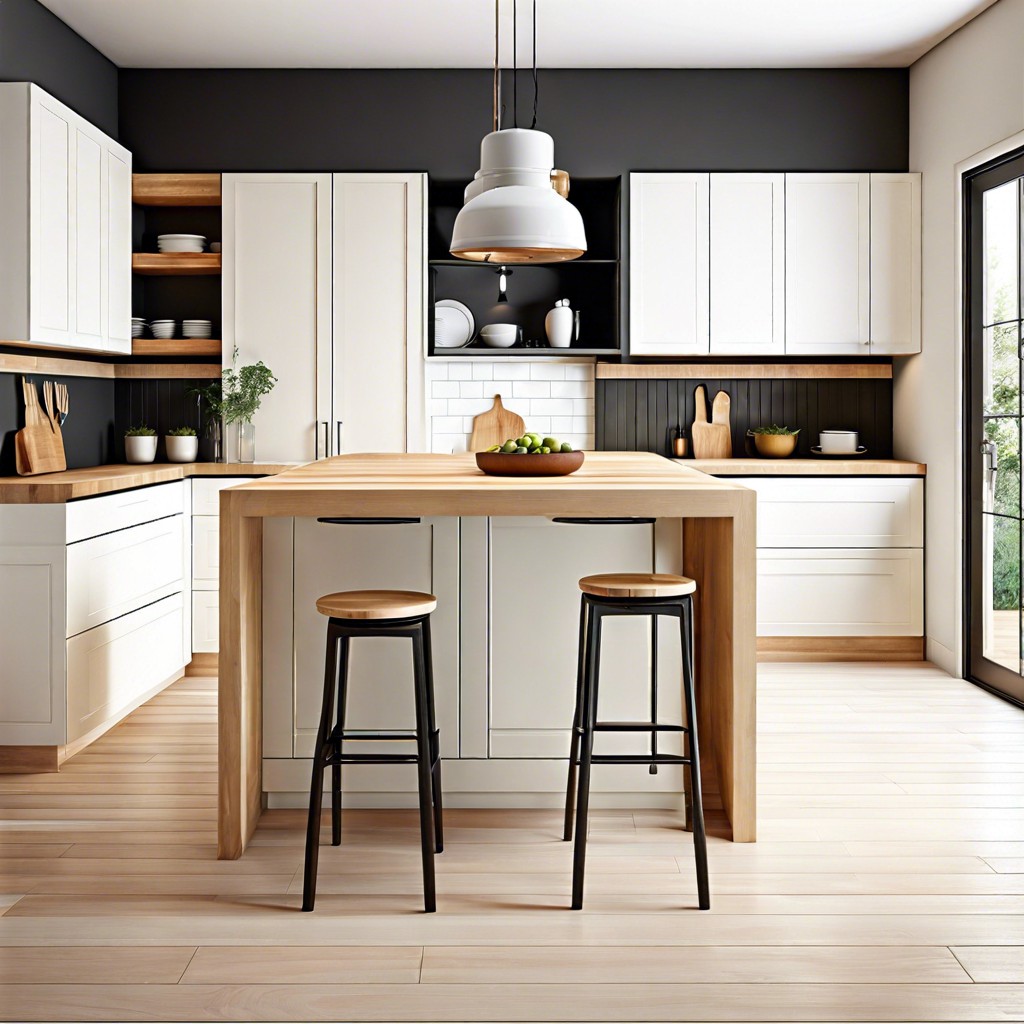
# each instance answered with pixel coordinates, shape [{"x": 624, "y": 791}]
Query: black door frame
[{"x": 977, "y": 669}]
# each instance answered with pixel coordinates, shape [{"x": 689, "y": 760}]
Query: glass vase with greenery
[{"x": 242, "y": 391}]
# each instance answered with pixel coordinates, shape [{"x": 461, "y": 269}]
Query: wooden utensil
[
  {"x": 711, "y": 440},
  {"x": 495, "y": 426},
  {"x": 63, "y": 403},
  {"x": 39, "y": 447}
]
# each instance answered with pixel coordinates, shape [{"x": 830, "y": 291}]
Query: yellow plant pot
[{"x": 775, "y": 446}]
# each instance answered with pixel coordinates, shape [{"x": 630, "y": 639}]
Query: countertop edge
[{"x": 806, "y": 467}]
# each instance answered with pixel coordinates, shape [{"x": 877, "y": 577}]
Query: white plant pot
[
  {"x": 140, "y": 449},
  {"x": 181, "y": 449}
]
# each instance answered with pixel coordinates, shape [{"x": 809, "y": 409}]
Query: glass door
[{"x": 993, "y": 246}]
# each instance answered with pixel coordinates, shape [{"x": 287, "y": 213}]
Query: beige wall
[{"x": 966, "y": 96}]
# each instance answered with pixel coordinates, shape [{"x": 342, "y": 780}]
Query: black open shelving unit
[{"x": 591, "y": 284}]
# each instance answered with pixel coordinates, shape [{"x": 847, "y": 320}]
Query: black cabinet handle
[
  {"x": 366, "y": 521},
  {"x": 603, "y": 521}
]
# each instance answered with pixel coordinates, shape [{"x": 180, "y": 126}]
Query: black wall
[
  {"x": 36, "y": 46},
  {"x": 637, "y": 414},
  {"x": 605, "y": 122}
]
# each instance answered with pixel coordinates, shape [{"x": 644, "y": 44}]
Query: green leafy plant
[
  {"x": 243, "y": 390},
  {"x": 211, "y": 400},
  {"x": 142, "y": 431},
  {"x": 775, "y": 429},
  {"x": 182, "y": 432}
]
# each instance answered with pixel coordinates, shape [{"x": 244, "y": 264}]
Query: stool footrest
[
  {"x": 369, "y": 736},
  {"x": 371, "y": 759},
  {"x": 635, "y": 727},
  {"x": 639, "y": 759}
]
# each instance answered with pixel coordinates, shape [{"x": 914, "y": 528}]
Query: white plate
[
  {"x": 454, "y": 325},
  {"x": 816, "y": 450}
]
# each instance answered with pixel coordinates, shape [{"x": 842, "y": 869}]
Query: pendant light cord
[
  {"x": 495, "y": 87},
  {"x": 515, "y": 63},
  {"x": 533, "y": 124}
]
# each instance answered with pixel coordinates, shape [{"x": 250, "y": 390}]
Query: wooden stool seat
[
  {"x": 376, "y": 604},
  {"x": 637, "y": 584}
]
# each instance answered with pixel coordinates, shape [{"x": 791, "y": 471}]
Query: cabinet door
[
  {"x": 89, "y": 254},
  {"x": 379, "y": 261},
  {"x": 206, "y": 552},
  {"x": 535, "y": 567},
  {"x": 331, "y": 557},
  {"x": 205, "y": 621},
  {"x": 277, "y": 303},
  {"x": 748, "y": 264},
  {"x": 119, "y": 249},
  {"x": 827, "y": 264},
  {"x": 840, "y": 592},
  {"x": 895, "y": 264},
  {"x": 50, "y": 219},
  {"x": 668, "y": 264}
]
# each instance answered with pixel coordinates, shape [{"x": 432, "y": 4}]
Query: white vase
[
  {"x": 181, "y": 448},
  {"x": 140, "y": 448},
  {"x": 558, "y": 325}
]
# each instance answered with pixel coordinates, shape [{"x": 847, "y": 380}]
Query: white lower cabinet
[
  {"x": 205, "y": 621},
  {"x": 116, "y": 666}
]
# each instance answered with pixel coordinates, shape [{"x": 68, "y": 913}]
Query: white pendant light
[{"x": 515, "y": 207}]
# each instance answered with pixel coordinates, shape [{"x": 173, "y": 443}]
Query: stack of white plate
[
  {"x": 162, "y": 328},
  {"x": 138, "y": 326},
  {"x": 180, "y": 243},
  {"x": 454, "y": 325},
  {"x": 196, "y": 328}
]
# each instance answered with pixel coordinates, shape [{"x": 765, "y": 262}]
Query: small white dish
[
  {"x": 180, "y": 243},
  {"x": 499, "y": 335},
  {"x": 816, "y": 450},
  {"x": 453, "y": 324}
]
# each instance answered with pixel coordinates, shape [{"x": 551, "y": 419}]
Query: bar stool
[
  {"x": 365, "y": 613},
  {"x": 651, "y": 594}
]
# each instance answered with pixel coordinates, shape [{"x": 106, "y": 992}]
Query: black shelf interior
[{"x": 591, "y": 284}]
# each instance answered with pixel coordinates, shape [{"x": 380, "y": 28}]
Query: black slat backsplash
[
  {"x": 638, "y": 414},
  {"x": 161, "y": 404}
]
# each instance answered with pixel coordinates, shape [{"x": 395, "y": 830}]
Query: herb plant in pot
[
  {"x": 140, "y": 444},
  {"x": 243, "y": 390},
  {"x": 774, "y": 442},
  {"x": 182, "y": 444}
]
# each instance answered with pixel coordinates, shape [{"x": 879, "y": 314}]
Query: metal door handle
[
  {"x": 327, "y": 440},
  {"x": 337, "y": 450},
  {"x": 990, "y": 457}
]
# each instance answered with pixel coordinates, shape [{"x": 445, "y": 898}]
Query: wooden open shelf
[
  {"x": 62, "y": 366},
  {"x": 190, "y": 348},
  {"x": 176, "y": 189},
  {"x": 175, "y": 263}
]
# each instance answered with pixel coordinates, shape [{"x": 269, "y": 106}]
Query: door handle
[
  {"x": 327, "y": 439},
  {"x": 337, "y": 450},
  {"x": 990, "y": 467}
]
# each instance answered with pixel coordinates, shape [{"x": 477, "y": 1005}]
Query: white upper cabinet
[
  {"x": 668, "y": 256},
  {"x": 277, "y": 303},
  {"x": 65, "y": 215},
  {"x": 748, "y": 232},
  {"x": 828, "y": 247},
  {"x": 323, "y": 279},
  {"x": 895, "y": 264}
]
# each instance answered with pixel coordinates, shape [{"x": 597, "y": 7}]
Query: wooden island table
[{"x": 718, "y": 525}]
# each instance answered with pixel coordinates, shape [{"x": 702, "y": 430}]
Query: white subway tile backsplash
[
  {"x": 516, "y": 371},
  {"x": 482, "y": 371},
  {"x": 547, "y": 371},
  {"x": 446, "y": 444},
  {"x": 445, "y": 389},
  {"x": 471, "y": 389},
  {"x": 579, "y": 371},
  {"x": 460, "y": 371},
  {"x": 565, "y": 424},
  {"x": 468, "y": 406},
  {"x": 572, "y": 389},
  {"x": 559, "y": 406},
  {"x": 446, "y": 424},
  {"x": 583, "y": 407},
  {"x": 531, "y": 389}
]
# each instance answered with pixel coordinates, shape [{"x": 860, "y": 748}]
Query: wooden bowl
[
  {"x": 555, "y": 464},
  {"x": 775, "y": 446}
]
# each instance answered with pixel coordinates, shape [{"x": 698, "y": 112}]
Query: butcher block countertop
[
  {"x": 805, "y": 467},
  {"x": 54, "y": 488}
]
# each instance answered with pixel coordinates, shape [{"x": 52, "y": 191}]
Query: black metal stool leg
[
  {"x": 653, "y": 769},
  {"x": 577, "y": 724},
  {"x": 316, "y": 787},
  {"x": 343, "y": 652},
  {"x": 699, "y": 838},
  {"x": 423, "y": 768},
  {"x": 591, "y": 675},
  {"x": 435, "y": 742}
]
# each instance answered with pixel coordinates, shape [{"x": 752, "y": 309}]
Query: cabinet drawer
[
  {"x": 206, "y": 493},
  {"x": 112, "y": 666},
  {"x": 837, "y": 513},
  {"x": 205, "y": 621},
  {"x": 205, "y": 551},
  {"x": 91, "y": 517},
  {"x": 119, "y": 572},
  {"x": 840, "y": 592}
]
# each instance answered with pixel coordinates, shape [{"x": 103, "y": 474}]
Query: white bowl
[
  {"x": 499, "y": 335},
  {"x": 180, "y": 243}
]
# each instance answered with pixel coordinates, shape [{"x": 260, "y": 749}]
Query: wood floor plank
[
  {"x": 313, "y": 965},
  {"x": 1000, "y": 964},
  {"x": 90, "y": 965}
]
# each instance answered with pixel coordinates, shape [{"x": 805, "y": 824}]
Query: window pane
[
  {"x": 1001, "y": 253},
  {"x": 1002, "y": 609},
  {"x": 1006, "y": 435},
  {"x": 1002, "y": 370}
]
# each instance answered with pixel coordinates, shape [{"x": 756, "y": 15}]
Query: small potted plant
[
  {"x": 774, "y": 442},
  {"x": 243, "y": 390},
  {"x": 182, "y": 444},
  {"x": 140, "y": 444}
]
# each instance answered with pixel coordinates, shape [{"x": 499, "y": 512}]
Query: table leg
[
  {"x": 720, "y": 554},
  {"x": 240, "y": 710}
]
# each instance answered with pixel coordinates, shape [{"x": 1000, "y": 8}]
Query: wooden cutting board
[
  {"x": 39, "y": 447},
  {"x": 495, "y": 426},
  {"x": 711, "y": 440}
]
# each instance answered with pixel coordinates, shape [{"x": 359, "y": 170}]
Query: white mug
[{"x": 838, "y": 442}]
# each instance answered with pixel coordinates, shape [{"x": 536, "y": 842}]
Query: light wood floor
[{"x": 888, "y": 884}]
